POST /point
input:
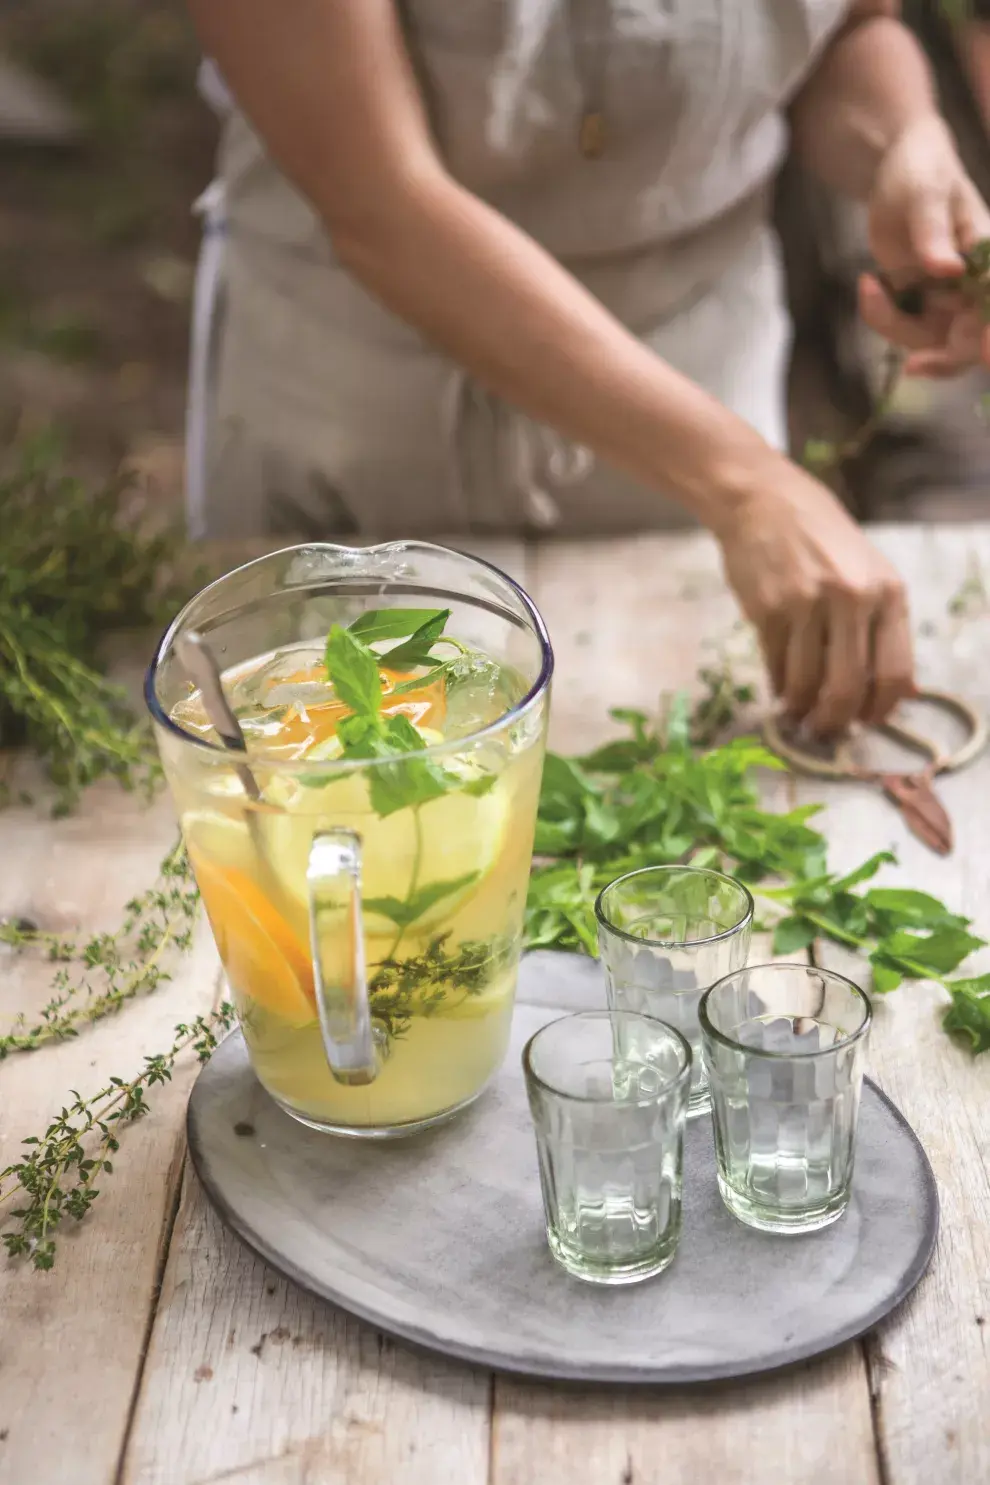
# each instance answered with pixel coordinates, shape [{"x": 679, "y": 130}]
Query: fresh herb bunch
[
  {"x": 77, "y": 563},
  {"x": 419, "y": 984},
  {"x": 108, "y": 969},
  {"x": 55, "y": 1178},
  {"x": 650, "y": 798},
  {"x": 355, "y": 672},
  {"x": 826, "y": 458}
]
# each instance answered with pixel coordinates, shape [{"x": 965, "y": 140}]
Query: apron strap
[{"x": 206, "y": 297}]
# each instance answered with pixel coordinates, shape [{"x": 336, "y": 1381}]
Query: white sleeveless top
[{"x": 324, "y": 412}]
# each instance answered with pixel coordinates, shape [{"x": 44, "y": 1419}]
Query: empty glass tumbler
[
  {"x": 666, "y": 933},
  {"x": 784, "y": 1046},
  {"x": 608, "y": 1094}
]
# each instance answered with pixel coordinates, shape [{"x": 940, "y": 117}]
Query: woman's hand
[
  {"x": 830, "y": 610},
  {"x": 924, "y": 212}
]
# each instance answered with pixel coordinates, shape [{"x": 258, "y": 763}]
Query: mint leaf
[
  {"x": 353, "y": 672},
  {"x": 405, "y": 913},
  {"x": 408, "y": 781},
  {"x": 901, "y": 907},
  {"x": 863, "y": 873},
  {"x": 885, "y": 976},
  {"x": 792, "y": 934},
  {"x": 416, "y": 650},
  {"x": 564, "y": 779},
  {"x": 392, "y": 623},
  {"x": 940, "y": 951},
  {"x": 978, "y": 985},
  {"x": 398, "y": 786},
  {"x": 417, "y": 682},
  {"x": 401, "y": 735},
  {"x": 481, "y": 786},
  {"x": 969, "y": 1013}
]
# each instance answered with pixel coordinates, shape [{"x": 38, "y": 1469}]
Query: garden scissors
[{"x": 913, "y": 793}]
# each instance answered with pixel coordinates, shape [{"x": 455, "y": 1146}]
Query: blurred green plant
[{"x": 77, "y": 563}]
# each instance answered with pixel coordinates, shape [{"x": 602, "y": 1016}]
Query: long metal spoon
[{"x": 198, "y": 662}]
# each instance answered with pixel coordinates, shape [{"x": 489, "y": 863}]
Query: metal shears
[{"x": 912, "y": 793}]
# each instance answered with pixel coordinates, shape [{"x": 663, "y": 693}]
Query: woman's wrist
[
  {"x": 716, "y": 466},
  {"x": 872, "y": 85}
]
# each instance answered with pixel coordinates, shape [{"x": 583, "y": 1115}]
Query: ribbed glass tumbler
[
  {"x": 784, "y": 1046},
  {"x": 608, "y": 1094},
  {"x": 666, "y": 934}
]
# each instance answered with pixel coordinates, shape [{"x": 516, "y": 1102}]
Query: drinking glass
[
  {"x": 608, "y": 1095},
  {"x": 666, "y": 933},
  {"x": 784, "y": 1045}
]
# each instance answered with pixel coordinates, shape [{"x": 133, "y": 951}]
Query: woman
[{"x": 511, "y": 216}]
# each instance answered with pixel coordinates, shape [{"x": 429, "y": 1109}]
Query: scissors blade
[{"x": 923, "y": 811}]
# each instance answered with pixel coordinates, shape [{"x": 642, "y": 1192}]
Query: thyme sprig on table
[
  {"x": 99, "y": 974},
  {"x": 56, "y": 1175}
]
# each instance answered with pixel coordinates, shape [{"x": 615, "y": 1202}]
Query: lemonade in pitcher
[{"x": 365, "y": 873}]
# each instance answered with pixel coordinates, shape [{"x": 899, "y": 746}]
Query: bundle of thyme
[{"x": 77, "y": 563}]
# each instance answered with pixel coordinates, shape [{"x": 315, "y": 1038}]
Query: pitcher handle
[{"x": 333, "y": 880}]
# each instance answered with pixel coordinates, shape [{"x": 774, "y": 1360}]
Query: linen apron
[{"x": 313, "y": 410}]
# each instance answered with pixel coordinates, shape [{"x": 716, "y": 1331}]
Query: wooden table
[{"x": 160, "y": 1352}]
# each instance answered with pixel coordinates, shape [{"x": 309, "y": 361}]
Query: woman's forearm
[
  {"x": 973, "y": 48},
  {"x": 497, "y": 304},
  {"x": 871, "y": 84},
  {"x": 336, "y": 102}
]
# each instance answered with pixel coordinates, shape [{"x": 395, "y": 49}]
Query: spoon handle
[{"x": 198, "y": 662}]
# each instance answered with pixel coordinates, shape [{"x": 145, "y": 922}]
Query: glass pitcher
[{"x": 364, "y": 863}]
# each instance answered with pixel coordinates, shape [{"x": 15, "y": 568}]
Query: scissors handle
[{"x": 842, "y": 765}]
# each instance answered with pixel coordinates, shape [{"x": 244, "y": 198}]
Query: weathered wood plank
[
  {"x": 71, "y": 1340},
  {"x": 629, "y": 620},
  {"x": 808, "y": 1425},
  {"x": 931, "y": 1363},
  {"x": 250, "y": 1379},
  {"x": 295, "y": 1392}
]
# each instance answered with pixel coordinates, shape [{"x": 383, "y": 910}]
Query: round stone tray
[{"x": 438, "y": 1239}]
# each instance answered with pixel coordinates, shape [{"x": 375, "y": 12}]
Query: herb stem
[{"x": 413, "y": 880}]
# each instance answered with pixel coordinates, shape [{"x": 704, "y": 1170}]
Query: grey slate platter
[{"x": 438, "y": 1239}]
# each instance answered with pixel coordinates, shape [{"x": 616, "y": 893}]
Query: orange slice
[
  {"x": 261, "y": 954},
  {"x": 316, "y": 722}
]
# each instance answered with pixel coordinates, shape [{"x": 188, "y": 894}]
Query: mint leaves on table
[
  {"x": 649, "y": 798},
  {"x": 969, "y": 1013}
]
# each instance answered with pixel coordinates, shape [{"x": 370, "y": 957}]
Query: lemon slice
[
  {"x": 457, "y": 839},
  {"x": 223, "y": 839}
]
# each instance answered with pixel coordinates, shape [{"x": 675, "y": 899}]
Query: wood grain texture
[
  {"x": 250, "y": 1379},
  {"x": 71, "y": 1340},
  {"x": 930, "y": 1364},
  {"x": 809, "y": 1425},
  {"x": 629, "y": 619}
]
